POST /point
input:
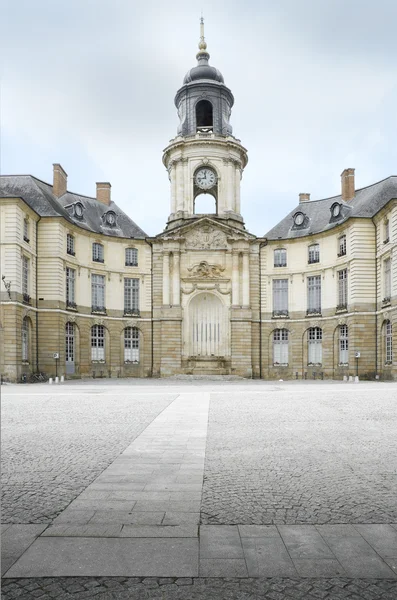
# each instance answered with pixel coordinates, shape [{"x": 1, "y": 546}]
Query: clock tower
[
  {"x": 204, "y": 157},
  {"x": 205, "y": 263}
]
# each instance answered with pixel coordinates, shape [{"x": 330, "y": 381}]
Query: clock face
[{"x": 205, "y": 178}]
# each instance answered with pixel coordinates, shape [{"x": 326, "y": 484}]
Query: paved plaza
[{"x": 199, "y": 489}]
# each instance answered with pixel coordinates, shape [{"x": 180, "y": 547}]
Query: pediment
[{"x": 205, "y": 234}]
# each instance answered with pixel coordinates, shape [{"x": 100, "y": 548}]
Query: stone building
[{"x": 85, "y": 292}]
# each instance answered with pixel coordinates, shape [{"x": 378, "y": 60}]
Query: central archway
[{"x": 207, "y": 334}]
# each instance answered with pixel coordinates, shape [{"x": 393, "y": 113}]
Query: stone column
[
  {"x": 235, "y": 279},
  {"x": 166, "y": 277},
  {"x": 187, "y": 194},
  {"x": 237, "y": 189},
  {"x": 179, "y": 186},
  {"x": 173, "y": 188},
  {"x": 231, "y": 186},
  {"x": 176, "y": 283},
  {"x": 246, "y": 279}
]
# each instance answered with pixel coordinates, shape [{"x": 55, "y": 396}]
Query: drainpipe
[
  {"x": 151, "y": 308},
  {"x": 376, "y": 300},
  {"x": 261, "y": 245},
  {"x": 37, "y": 295}
]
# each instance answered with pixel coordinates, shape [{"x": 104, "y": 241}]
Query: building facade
[{"x": 86, "y": 293}]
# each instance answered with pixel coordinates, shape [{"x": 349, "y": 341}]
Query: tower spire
[{"x": 202, "y": 53}]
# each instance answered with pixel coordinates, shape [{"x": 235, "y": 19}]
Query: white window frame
[
  {"x": 97, "y": 343},
  {"x": 313, "y": 254},
  {"x": 314, "y": 294},
  {"x": 131, "y": 295},
  {"x": 98, "y": 292},
  {"x": 280, "y": 297},
  {"x": 342, "y": 247},
  {"x": 386, "y": 229},
  {"x": 131, "y": 257},
  {"x": 69, "y": 341},
  {"x": 315, "y": 346},
  {"x": 131, "y": 345},
  {"x": 280, "y": 347},
  {"x": 97, "y": 252},
  {"x": 26, "y": 230},
  {"x": 343, "y": 345},
  {"x": 387, "y": 278},
  {"x": 388, "y": 342},
  {"x": 25, "y": 340},
  {"x": 70, "y": 286},
  {"x": 70, "y": 244},
  {"x": 280, "y": 257},
  {"x": 25, "y": 275},
  {"x": 342, "y": 288}
]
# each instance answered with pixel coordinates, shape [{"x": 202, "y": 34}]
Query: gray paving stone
[
  {"x": 392, "y": 562},
  {"x": 127, "y": 518},
  {"x": 225, "y": 567},
  {"x": 336, "y": 530},
  {"x": 324, "y": 567},
  {"x": 77, "y": 516},
  {"x": 102, "y": 504},
  {"x": 127, "y": 557},
  {"x": 358, "y": 558},
  {"x": 160, "y": 531},
  {"x": 251, "y": 531},
  {"x": 383, "y": 538},
  {"x": 181, "y": 518},
  {"x": 220, "y": 542},
  {"x": 304, "y": 541},
  {"x": 82, "y": 531},
  {"x": 14, "y": 542},
  {"x": 267, "y": 557}
]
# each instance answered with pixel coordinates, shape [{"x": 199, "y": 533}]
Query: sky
[{"x": 91, "y": 84}]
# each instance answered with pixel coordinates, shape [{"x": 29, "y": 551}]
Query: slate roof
[
  {"x": 38, "y": 195},
  {"x": 366, "y": 203}
]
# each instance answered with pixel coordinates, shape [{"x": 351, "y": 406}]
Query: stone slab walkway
[{"x": 140, "y": 518}]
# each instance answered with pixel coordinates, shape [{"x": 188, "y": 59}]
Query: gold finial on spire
[{"x": 202, "y": 43}]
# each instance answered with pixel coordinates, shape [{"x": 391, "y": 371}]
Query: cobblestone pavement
[
  {"x": 55, "y": 444},
  {"x": 138, "y": 588},
  {"x": 322, "y": 455}
]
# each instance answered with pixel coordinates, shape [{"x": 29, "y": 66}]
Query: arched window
[
  {"x": 131, "y": 345},
  {"x": 280, "y": 347},
  {"x": 204, "y": 115},
  {"x": 388, "y": 342},
  {"x": 131, "y": 257},
  {"x": 25, "y": 340},
  {"x": 205, "y": 204},
  {"x": 315, "y": 345},
  {"x": 343, "y": 345},
  {"x": 69, "y": 342},
  {"x": 97, "y": 342}
]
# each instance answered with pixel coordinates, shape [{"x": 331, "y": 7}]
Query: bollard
[
  {"x": 314, "y": 374},
  {"x": 305, "y": 374},
  {"x": 322, "y": 375},
  {"x": 50, "y": 381},
  {"x": 356, "y": 379},
  {"x": 62, "y": 378},
  {"x": 344, "y": 377},
  {"x": 350, "y": 377},
  {"x": 296, "y": 375},
  {"x": 56, "y": 379}
]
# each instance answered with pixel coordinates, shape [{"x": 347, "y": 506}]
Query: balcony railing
[
  {"x": 386, "y": 241},
  {"x": 97, "y": 259},
  {"x": 71, "y": 252},
  {"x": 341, "y": 307},
  {"x": 70, "y": 304},
  {"x": 279, "y": 314},
  {"x": 26, "y": 239},
  {"x": 313, "y": 311},
  {"x": 131, "y": 263},
  {"x": 341, "y": 253},
  {"x": 386, "y": 300},
  {"x": 26, "y": 299},
  {"x": 313, "y": 259},
  {"x": 132, "y": 312},
  {"x": 280, "y": 264},
  {"x": 98, "y": 309}
]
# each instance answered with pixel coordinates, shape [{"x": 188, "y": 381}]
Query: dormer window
[
  {"x": 335, "y": 210},
  {"x": 78, "y": 210},
  {"x": 299, "y": 219},
  {"x": 110, "y": 218}
]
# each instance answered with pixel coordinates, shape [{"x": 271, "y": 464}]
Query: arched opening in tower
[
  {"x": 205, "y": 204},
  {"x": 204, "y": 115}
]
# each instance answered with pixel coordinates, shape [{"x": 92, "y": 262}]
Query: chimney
[
  {"x": 304, "y": 198},
  {"x": 348, "y": 188},
  {"x": 103, "y": 192},
  {"x": 60, "y": 180}
]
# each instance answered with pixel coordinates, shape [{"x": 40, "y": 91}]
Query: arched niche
[
  {"x": 205, "y": 204},
  {"x": 204, "y": 116}
]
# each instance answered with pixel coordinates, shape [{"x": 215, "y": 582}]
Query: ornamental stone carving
[
  {"x": 206, "y": 238},
  {"x": 205, "y": 270}
]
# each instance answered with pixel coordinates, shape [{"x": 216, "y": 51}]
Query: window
[
  {"x": 25, "y": 340},
  {"x": 26, "y": 230},
  {"x": 69, "y": 342},
  {"x": 131, "y": 344},
  {"x": 131, "y": 296},
  {"x": 315, "y": 346},
  {"x": 342, "y": 245},
  {"x": 25, "y": 279},
  {"x": 70, "y": 287},
  {"x": 97, "y": 252},
  {"x": 314, "y": 295},
  {"x": 280, "y": 257},
  {"x": 70, "y": 244},
  {"x": 343, "y": 345},
  {"x": 386, "y": 230},
  {"x": 280, "y": 347},
  {"x": 389, "y": 342},
  {"x": 280, "y": 297},
  {"x": 204, "y": 115},
  {"x": 342, "y": 289},
  {"x": 387, "y": 279},
  {"x": 98, "y": 293},
  {"x": 314, "y": 254},
  {"x": 131, "y": 257},
  {"x": 97, "y": 342}
]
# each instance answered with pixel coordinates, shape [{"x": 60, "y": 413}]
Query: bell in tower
[{"x": 204, "y": 160}]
